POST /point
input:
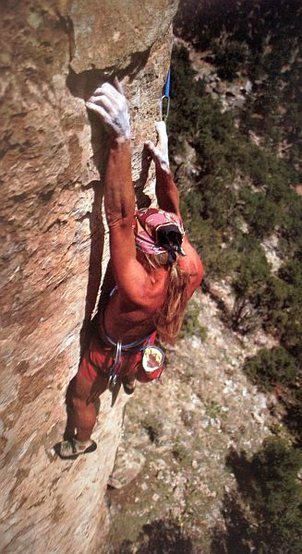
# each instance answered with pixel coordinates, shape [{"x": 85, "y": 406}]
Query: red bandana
[{"x": 148, "y": 223}]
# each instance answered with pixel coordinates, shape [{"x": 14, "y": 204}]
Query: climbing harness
[
  {"x": 139, "y": 345},
  {"x": 165, "y": 99},
  {"x": 132, "y": 347},
  {"x": 152, "y": 357},
  {"x": 112, "y": 381}
]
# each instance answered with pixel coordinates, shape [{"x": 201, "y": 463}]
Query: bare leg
[
  {"x": 83, "y": 396},
  {"x": 83, "y": 399}
]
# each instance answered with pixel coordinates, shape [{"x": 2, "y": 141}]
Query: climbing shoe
[
  {"x": 71, "y": 449},
  {"x": 129, "y": 385}
]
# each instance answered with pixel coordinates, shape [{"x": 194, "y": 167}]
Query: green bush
[
  {"x": 277, "y": 497},
  {"x": 254, "y": 269},
  {"x": 191, "y": 325},
  {"x": 260, "y": 212},
  {"x": 265, "y": 516},
  {"x": 291, "y": 332},
  {"x": 153, "y": 426},
  {"x": 273, "y": 305},
  {"x": 229, "y": 57},
  {"x": 212, "y": 207},
  {"x": 280, "y": 306},
  {"x": 270, "y": 368}
]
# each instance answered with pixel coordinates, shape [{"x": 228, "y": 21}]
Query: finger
[
  {"x": 152, "y": 148},
  {"x": 108, "y": 105},
  {"x": 115, "y": 96},
  {"x": 103, "y": 88},
  {"x": 118, "y": 86},
  {"x": 156, "y": 155},
  {"x": 99, "y": 111},
  {"x": 104, "y": 102},
  {"x": 109, "y": 92}
]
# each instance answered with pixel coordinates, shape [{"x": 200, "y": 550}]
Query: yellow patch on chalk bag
[{"x": 153, "y": 358}]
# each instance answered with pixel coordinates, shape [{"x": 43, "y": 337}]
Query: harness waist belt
[{"x": 134, "y": 346}]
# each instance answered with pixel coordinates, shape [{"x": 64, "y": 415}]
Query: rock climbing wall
[{"x": 54, "y": 247}]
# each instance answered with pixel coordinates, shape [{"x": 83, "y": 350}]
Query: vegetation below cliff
[{"x": 222, "y": 442}]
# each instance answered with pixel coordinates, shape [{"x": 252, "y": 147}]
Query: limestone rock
[
  {"x": 54, "y": 246},
  {"x": 128, "y": 464}
]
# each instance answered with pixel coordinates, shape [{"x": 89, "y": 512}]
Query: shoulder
[
  {"x": 144, "y": 290},
  {"x": 192, "y": 264}
]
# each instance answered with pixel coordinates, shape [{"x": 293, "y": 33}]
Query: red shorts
[{"x": 99, "y": 359}]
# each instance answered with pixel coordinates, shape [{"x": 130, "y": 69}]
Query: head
[
  {"x": 152, "y": 262},
  {"x": 158, "y": 232}
]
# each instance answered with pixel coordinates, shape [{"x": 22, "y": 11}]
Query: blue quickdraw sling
[{"x": 165, "y": 99}]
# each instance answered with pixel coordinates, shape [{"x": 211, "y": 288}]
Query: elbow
[{"x": 119, "y": 221}]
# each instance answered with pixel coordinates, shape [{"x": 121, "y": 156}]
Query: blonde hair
[{"x": 169, "y": 319}]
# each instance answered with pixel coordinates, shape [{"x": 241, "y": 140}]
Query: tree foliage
[
  {"x": 266, "y": 513},
  {"x": 271, "y": 367},
  {"x": 239, "y": 194}
]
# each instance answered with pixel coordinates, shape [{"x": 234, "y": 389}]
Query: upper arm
[
  {"x": 195, "y": 266},
  {"x": 130, "y": 276}
]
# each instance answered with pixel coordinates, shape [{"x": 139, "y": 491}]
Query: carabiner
[{"x": 164, "y": 107}]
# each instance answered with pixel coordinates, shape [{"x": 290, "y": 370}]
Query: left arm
[
  {"x": 130, "y": 276},
  {"x": 120, "y": 206},
  {"x": 119, "y": 192}
]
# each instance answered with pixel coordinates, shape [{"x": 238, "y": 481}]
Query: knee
[
  {"x": 80, "y": 394},
  {"x": 79, "y": 403}
]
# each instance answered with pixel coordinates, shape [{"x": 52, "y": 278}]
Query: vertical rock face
[{"x": 54, "y": 245}]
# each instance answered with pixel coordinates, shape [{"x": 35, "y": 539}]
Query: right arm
[{"x": 166, "y": 191}]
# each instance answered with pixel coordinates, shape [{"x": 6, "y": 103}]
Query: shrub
[
  {"x": 153, "y": 426},
  {"x": 291, "y": 332},
  {"x": 265, "y": 515},
  {"x": 260, "y": 212},
  {"x": 191, "y": 325},
  {"x": 212, "y": 207},
  {"x": 254, "y": 269},
  {"x": 229, "y": 57},
  {"x": 277, "y": 497},
  {"x": 271, "y": 367}
]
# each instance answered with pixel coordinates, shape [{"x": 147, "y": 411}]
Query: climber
[{"x": 155, "y": 269}]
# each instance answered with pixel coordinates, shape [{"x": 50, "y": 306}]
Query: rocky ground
[
  {"x": 171, "y": 476},
  {"x": 174, "y": 471}
]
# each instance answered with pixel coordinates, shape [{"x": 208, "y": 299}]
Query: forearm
[
  {"x": 119, "y": 192},
  {"x": 166, "y": 191},
  {"x": 110, "y": 104}
]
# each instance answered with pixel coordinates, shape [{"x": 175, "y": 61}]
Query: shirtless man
[{"x": 155, "y": 268}]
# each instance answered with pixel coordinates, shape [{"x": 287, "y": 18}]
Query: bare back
[{"x": 126, "y": 318}]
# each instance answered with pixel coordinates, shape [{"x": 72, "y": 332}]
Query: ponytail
[{"x": 169, "y": 319}]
